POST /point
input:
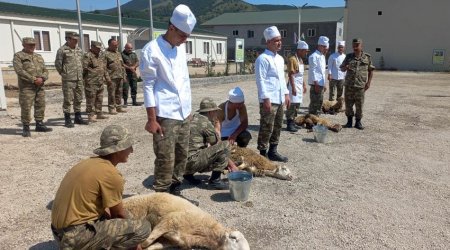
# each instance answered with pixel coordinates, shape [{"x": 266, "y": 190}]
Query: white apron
[
  {"x": 229, "y": 126},
  {"x": 298, "y": 82}
]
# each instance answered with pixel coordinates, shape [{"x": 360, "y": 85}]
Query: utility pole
[
  {"x": 299, "y": 10},
  {"x": 119, "y": 13},
  {"x": 80, "y": 28},
  {"x": 150, "y": 12}
]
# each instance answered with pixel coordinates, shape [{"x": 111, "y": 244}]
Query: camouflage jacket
[
  {"x": 114, "y": 64},
  {"x": 202, "y": 135},
  {"x": 358, "y": 71},
  {"x": 94, "y": 69},
  {"x": 68, "y": 63},
  {"x": 29, "y": 66},
  {"x": 130, "y": 60}
]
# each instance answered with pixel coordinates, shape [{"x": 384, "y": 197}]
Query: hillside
[{"x": 203, "y": 9}]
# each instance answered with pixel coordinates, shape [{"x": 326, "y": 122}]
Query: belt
[{"x": 59, "y": 233}]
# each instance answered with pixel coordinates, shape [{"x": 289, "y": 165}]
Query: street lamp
[{"x": 299, "y": 19}]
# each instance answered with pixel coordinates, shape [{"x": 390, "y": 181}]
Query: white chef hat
[
  {"x": 341, "y": 43},
  {"x": 271, "y": 33},
  {"x": 323, "y": 40},
  {"x": 236, "y": 95},
  {"x": 302, "y": 45},
  {"x": 183, "y": 18}
]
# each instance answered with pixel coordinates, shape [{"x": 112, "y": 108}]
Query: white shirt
[
  {"x": 317, "y": 68},
  {"x": 270, "y": 80},
  {"x": 166, "y": 79},
  {"x": 229, "y": 126},
  {"x": 334, "y": 62}
]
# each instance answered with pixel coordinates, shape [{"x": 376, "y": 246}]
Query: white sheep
[{"x": 178, "y": 223}]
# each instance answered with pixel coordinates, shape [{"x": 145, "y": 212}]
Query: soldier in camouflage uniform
[
  {"x": 69, "y": 66},
  {"x": 79, "y": 219},
  {"x": 131, "y": 62},
  {"x": 359, "y": 68},
  {"x": 206, "y": 151},
  {"x": 95, "y": 76},
  {"x": 31, "y": 73},
  {"x": 116, "y": 71}
]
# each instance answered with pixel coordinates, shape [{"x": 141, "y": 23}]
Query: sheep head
[
  {"x": 234, "y": 240},
  {"x": 283, "y": 173}
]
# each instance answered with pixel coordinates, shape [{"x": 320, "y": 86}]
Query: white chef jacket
[
  {"x": 334, "y": 62},
  {"x": 317, "y": 68},
  {"x": 270, "y": 80},
  {"x": 166, "y": 79}
]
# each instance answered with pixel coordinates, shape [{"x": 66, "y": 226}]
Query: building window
[
  {"x": 86, "y": 42},
  {"x": 206, "y": 48},
  {"x": 189, "y": 47},
  {"x": 42, "y": 40},
  {"x": 219, "y": 48},
  {"x": 378, "y": 50},
  {"x": 340, "y": 31},
  {"x": 283, "y": 33},
  {"x": 380, "y": 12},
  {"x": 250, "y": 34},
  {"x": 311, "y": 32},
  {"x": 235, "y": 32}
]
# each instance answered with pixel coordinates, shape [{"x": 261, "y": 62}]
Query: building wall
[{"x": 406, "y": 33}]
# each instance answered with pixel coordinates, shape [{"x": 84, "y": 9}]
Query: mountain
[{"x": 203, "y": 9}]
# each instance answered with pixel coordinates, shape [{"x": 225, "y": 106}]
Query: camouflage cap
[
  {"x": 28, "y": 40},
  {"x": 96, "y": 44},
  {"x": 357, "y": 40},
  {"x": 114, "y": 138},
  {"x": 72, "y": 34},
  {"x": 207, "y": 104}
]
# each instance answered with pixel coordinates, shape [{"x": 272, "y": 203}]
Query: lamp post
[
  {"x": 299, "y": 9},
  {"x": 150, "y": 12}
]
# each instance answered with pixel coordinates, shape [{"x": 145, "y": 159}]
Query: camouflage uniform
[
  {"x": 95, "y": 75},
  {"x": 116, "y": 71},
  {"x": 355, "y": 81},
  {"x": 69, "y": 66},
  {"x": 28, "y": 67},
  {"x": 202, "y": 157},
  {"x": 130, "y": 59},
  {"x": 316, "y": 100},
  {"x": 270, "y": 125}
]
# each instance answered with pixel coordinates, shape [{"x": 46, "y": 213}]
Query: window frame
[
  {"x": 189, "y": 47},
  {"x": 219, "y": 48},
  {"x": 313, "y": 31},
  {"x": 206, "y": 49},
  {"x": 283, "y": 33},
  {"x": 40, "y": 42}
]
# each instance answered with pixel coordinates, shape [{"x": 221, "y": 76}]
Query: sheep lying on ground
[
  {"x": 309, "y": 121},
  {"x": 333, "y": 107},
  {"x": 250, "y": 161},
  {"x": 178, "y": 223}
]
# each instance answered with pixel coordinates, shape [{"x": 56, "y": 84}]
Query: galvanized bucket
[{"x": 240, "y": 182}]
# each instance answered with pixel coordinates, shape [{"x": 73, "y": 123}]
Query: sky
[{"x": 91, "y": 5}]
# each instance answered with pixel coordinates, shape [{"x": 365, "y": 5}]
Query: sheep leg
[
  {"x": 159, "y": 230},
  {"x": 242, "y": 166}
]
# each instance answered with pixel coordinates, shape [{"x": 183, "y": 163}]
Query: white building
[
  {"x": 401, "y": 34},
  {"x": 48, "y": 26}
]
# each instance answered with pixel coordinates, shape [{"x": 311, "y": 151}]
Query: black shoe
[
  {"x": 134, "y": 101},
  {"x": 40, "y": 127},
  {"x": 273, "y": 155},
  {"x": 215, "y": 182},
  {"x": 68, "y": 121},
  {"x": 291, "y": 126},
  {"x": 358, "y": 124},
  {"x": 26, "y": 131},
  {"x": 79, "y": 120},
  {"x": 175, "y": 189},
  {"x": 125, "y": 102},
  {"x": 191, "y": 179},
  {"x": 263, "y": 153},
  {"x": 349, "y": 122}
]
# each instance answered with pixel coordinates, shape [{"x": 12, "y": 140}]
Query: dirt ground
[{"x": 387, "y": 187}]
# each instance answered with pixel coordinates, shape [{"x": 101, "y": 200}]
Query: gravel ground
[{"x": 385, "y": 187}]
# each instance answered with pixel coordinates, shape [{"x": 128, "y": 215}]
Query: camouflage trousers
[
  {"x": 336, "y": 85},
  {"x": 354, "y": 96},
  {"x": 242, "y": 139},
  {"x": 104, "y": 234},
  {"x": 316, "y": 100},
  {"x": 73, "y": 94},
  {"x": 94, "y": 97},
  {"x": 213, "y": 158},
  {"x": 29, "y": 95},
  {"x": 130, "y": 85},
  {"x": 115, "y": 93},
  {"x": 291, "y": 112},
  {"x": 171, "y": 151},
  {"x": 269, "y": 125}
]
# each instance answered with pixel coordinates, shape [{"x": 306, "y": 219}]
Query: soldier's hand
[
  {"x": 232, "y": 139},
  {"x": 287, "y": 100},
  {"x": 304, "y": 89},
  {"x": 294, "y": 92},
  {"x": 267, "y": 106},
  {"x": 367, "y": 86},
  {"x": 317, "y": 88},
  {"x": 39, "y": 81},
  {"x": 324, "y": 88},
  {"x": 154, "y": 128}
]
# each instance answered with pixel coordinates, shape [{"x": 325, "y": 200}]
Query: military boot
[
  {"x": 215, "y": 182},
  {"x": 121, "y": 110},
  {"x": 273, "y": 155},
  {"x": 263, "y": 153},
  {"x": 40, "y": 127},
  {"x": 125, "y": 102},
  {"x": 92, "y": 118},
  {"x": 349, "y": 122},
  {"x": 112, "y": 112},
  {"x": 101, "y": 116},
  {"x": 192, "y": 180},
  {"x": 134, "y": 101},
  {"x": 68, "y": 121},
  {"x": 291, "y": 126},
  {"x": 26, "y": 131},
  {"x": 358, "y": 124},
  {"x": 79, "y": 120}
]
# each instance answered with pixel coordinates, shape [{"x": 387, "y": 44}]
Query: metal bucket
[
  {"x": 240, "y": 182},
  {"x": 320, "y": 133}
]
